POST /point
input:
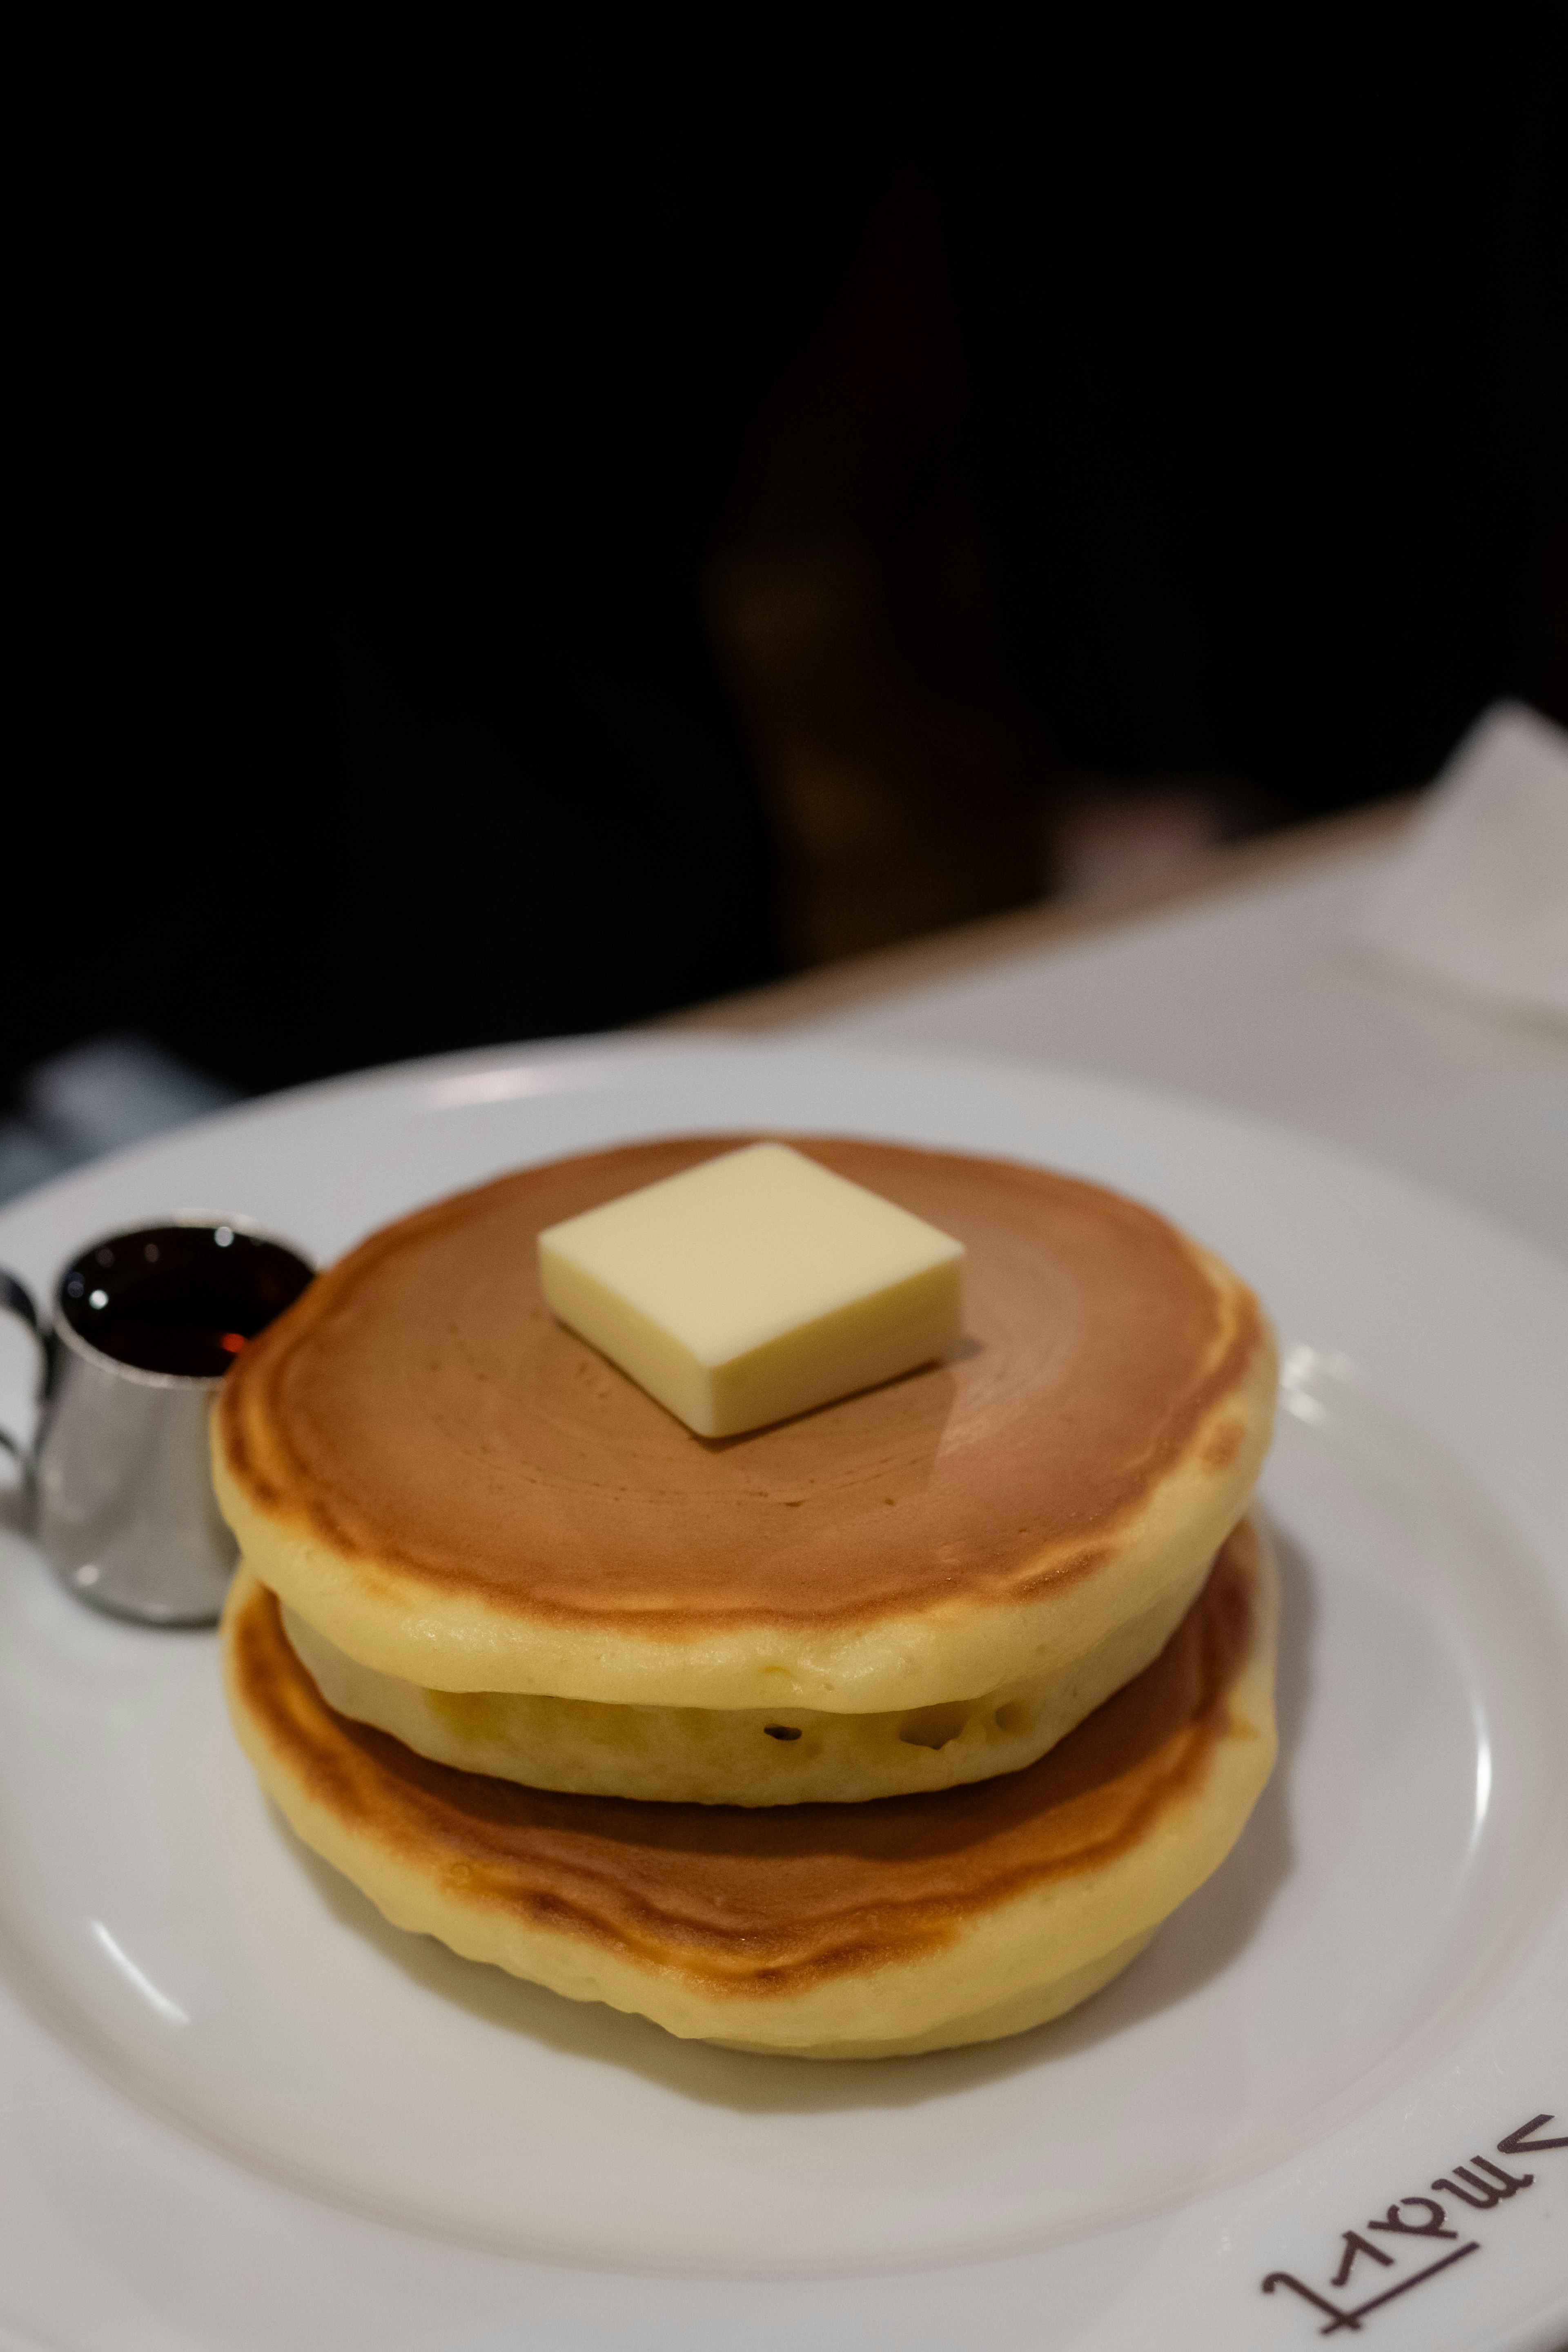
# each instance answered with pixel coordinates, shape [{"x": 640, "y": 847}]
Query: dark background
[{"x": 543, "y": 523}]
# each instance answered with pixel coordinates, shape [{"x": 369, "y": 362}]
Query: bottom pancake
[{"x": 906, "y": 1923}]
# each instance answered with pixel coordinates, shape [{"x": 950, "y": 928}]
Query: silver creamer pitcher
[{"x": 145, "y": 1325}]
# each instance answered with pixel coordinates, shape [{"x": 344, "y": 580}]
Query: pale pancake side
[
  {"x": 838, "y": 1930},
  {"x": 456, "y": 1491},
  {"x": 715, "y": 1756},
  {"x": 1019, "y": 2014}
]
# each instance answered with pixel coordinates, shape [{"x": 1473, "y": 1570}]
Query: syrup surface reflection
[{"x": 180, "y": 1300}]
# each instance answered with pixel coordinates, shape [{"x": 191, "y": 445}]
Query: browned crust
[
  {"x": 421, "y": 1413},
  {"x": 774, "y": 1900}
]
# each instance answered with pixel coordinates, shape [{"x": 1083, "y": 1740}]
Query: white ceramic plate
[{"x": 239, "y": 2112}]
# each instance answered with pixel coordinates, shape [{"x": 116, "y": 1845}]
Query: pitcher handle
[{"x": 17, "y": 1299}]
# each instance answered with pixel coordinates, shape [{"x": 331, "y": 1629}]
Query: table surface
[{"x": 1243, "y": 982}]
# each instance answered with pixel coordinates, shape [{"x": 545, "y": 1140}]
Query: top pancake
[{"x": 457, "y": 1490}]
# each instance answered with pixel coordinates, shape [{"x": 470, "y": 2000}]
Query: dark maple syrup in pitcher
[{"x": 179, "y": 1298}]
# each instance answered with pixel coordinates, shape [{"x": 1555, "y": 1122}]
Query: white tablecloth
[{"x": 1264, "y": 1001}]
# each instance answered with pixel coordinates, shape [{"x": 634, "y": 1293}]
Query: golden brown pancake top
[
  {"x": 770, "y": 1900},
  {"x": 421, "y": 1407}
]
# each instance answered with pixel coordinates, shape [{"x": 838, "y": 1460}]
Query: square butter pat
[{"x": 754, "y": 1287}]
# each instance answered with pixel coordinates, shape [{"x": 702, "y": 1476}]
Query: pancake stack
[{"x": 898, "y": 1726}]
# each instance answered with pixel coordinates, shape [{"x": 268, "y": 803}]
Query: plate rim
[{"x": 599, "y": 1062}]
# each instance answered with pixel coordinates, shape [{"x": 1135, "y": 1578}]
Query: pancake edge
[
  {"x": 712, "y": 1756},
  {"x": 1037, "y": 2006},
  {"x": 996, "y": 1965},
  {"x": 389, "y": 1618}
]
